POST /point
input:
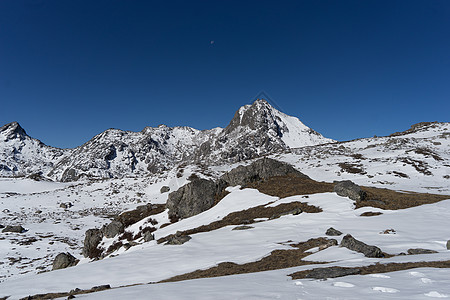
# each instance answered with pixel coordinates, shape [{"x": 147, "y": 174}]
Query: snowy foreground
[{"x": 419, "y": 227}]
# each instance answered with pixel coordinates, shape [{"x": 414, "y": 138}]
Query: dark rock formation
[
  {"x": 333, "y": 232},
  {"x": 353, "y": 244},
  {"x": 192, "y": 198},
  {"x": 260, "y": 170},
  {"x": 91, "y": 241},
  {"x": 148, "y": 236},
  {"x": 15, "y": 228},
  {"x": 349, "y": 189},
  {"x": 332, "y": 272},
  {"x": 64, "y": 260},
  {"x": 448, "y": 245}
]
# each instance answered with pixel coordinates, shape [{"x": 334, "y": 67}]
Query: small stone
[
  {"x": 333, "y": 232},
  {"x": 164, "y": 189},
  {"x": 242, "y": 227},
  {"x": 420, "y": 251}
]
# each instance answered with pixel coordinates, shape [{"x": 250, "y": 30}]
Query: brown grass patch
[
  {"x": 351, "y": 168},
  {"x": 384, "y": 268},
  {"x": 392, "y": 200},
  {"x": 278, "y": 259},
  {"x": 247, "y": 217}
]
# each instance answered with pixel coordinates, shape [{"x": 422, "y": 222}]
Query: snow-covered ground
[{"x": 422, "y": 156}]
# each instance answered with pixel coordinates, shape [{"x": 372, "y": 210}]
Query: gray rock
[
  {"x": 112, "y": 229},
  {"x": 177, "y": 239},
  {"x": 349, "y": 189},
  {"x": 192, "y": 198},
  {"x": 329, "y": 243},
  {"x": 148, "y": 236},
  {"x": 353, "y": 244},
  {"x": 420, "y": 251},
  {"x": 164, "y": 189},
  {"x": 332, "y": 272},
  {"x": 15, "y": 228},
  {"x": 448, "y": 245},
  {"x": 294, "y": 212},
  {"x": 260, "y": 170},
  {"x": 333, "y": 232},
  {"x": 64, "y": 260},
  {"x": 66, "y": 205},
  {"x": 242, "y": 227},
  {"x": 91, "y": 241}
]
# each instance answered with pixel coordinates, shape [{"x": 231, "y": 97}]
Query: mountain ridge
[{"x": 256, "y": 129}]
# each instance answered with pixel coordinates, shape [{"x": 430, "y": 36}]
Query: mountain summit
[{"x": 255, "y": 130}]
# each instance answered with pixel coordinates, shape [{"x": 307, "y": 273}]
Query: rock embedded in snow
[
  {"x": 64, "y": 260},
  {"x": 421, "y": 251},
  {"x": 353, "y": 244},
  {"x": 332, "y": 272},
  {"x": 448, "y": 245},
  {"x": 333, "y": 232},
  {"x": 164, "y": 189},
  {"x": 349, "y": 189},
  {"x": 177, "y": 239},
  {"x": 15, "y": 228},
  {"x": 242, "y": 227}
]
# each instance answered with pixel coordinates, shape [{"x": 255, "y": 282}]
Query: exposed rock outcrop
[
  {"x": 260, "y": 170},
  {"x": 92, "y": 239},
  {"x": 112, "y": 229},
  {"x": 192, "y": 198},
  {"x": 349, "y": 189},
  {"x": 14, "y": 228},
  {"x": 64, "y": 260},
  {"x": 353, "y": 244}
]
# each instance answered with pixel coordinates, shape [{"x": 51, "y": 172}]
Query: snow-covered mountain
[
  {"x": 21, "y": 155},
  {"x": 255, "y": 130}
]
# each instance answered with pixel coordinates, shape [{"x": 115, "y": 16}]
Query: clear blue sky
[{"x": 348, "y": 69}]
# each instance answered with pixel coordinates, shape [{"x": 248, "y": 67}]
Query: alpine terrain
[{"x": 265, "y": 208}]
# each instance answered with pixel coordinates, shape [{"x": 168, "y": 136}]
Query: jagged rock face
[
  {"x": 22, "y": 155},
  {"x": 256, "y": 130}
]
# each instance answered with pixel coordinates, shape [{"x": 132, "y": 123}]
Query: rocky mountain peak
[{"x": 13, "y": 131}]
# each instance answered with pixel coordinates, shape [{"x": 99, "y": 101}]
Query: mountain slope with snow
[{"x": 255, "y": 130}]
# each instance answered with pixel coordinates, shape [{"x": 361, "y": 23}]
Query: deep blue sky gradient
[{"x": 348, "y": 69}]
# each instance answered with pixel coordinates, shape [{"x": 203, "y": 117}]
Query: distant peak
[{"x": 13, "y": 127}]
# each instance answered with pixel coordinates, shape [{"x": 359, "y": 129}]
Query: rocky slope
[{"x": 255, "y": 130}]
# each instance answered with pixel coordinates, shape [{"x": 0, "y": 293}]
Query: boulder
[
  {"x": 148, "y": 236},
  {"x": 353, "y": 244},
  {"x": 260, "y": 170},
  {"x": 349, "y": 189},
  {"x": 112, "y": 229},
  {"x": 91, "y": 241},
  {"x": 164, "y": 189},
  {"x": 177, "y": 239},
  {"x": 332, "y": 272},
  {"x": 192, "y": 198},
  {"x": 333, "y": 232},
  {"x": 420, "y": 251},
  {"x": 15, "y": 228},
  {"x": 64, "y": 260}
]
